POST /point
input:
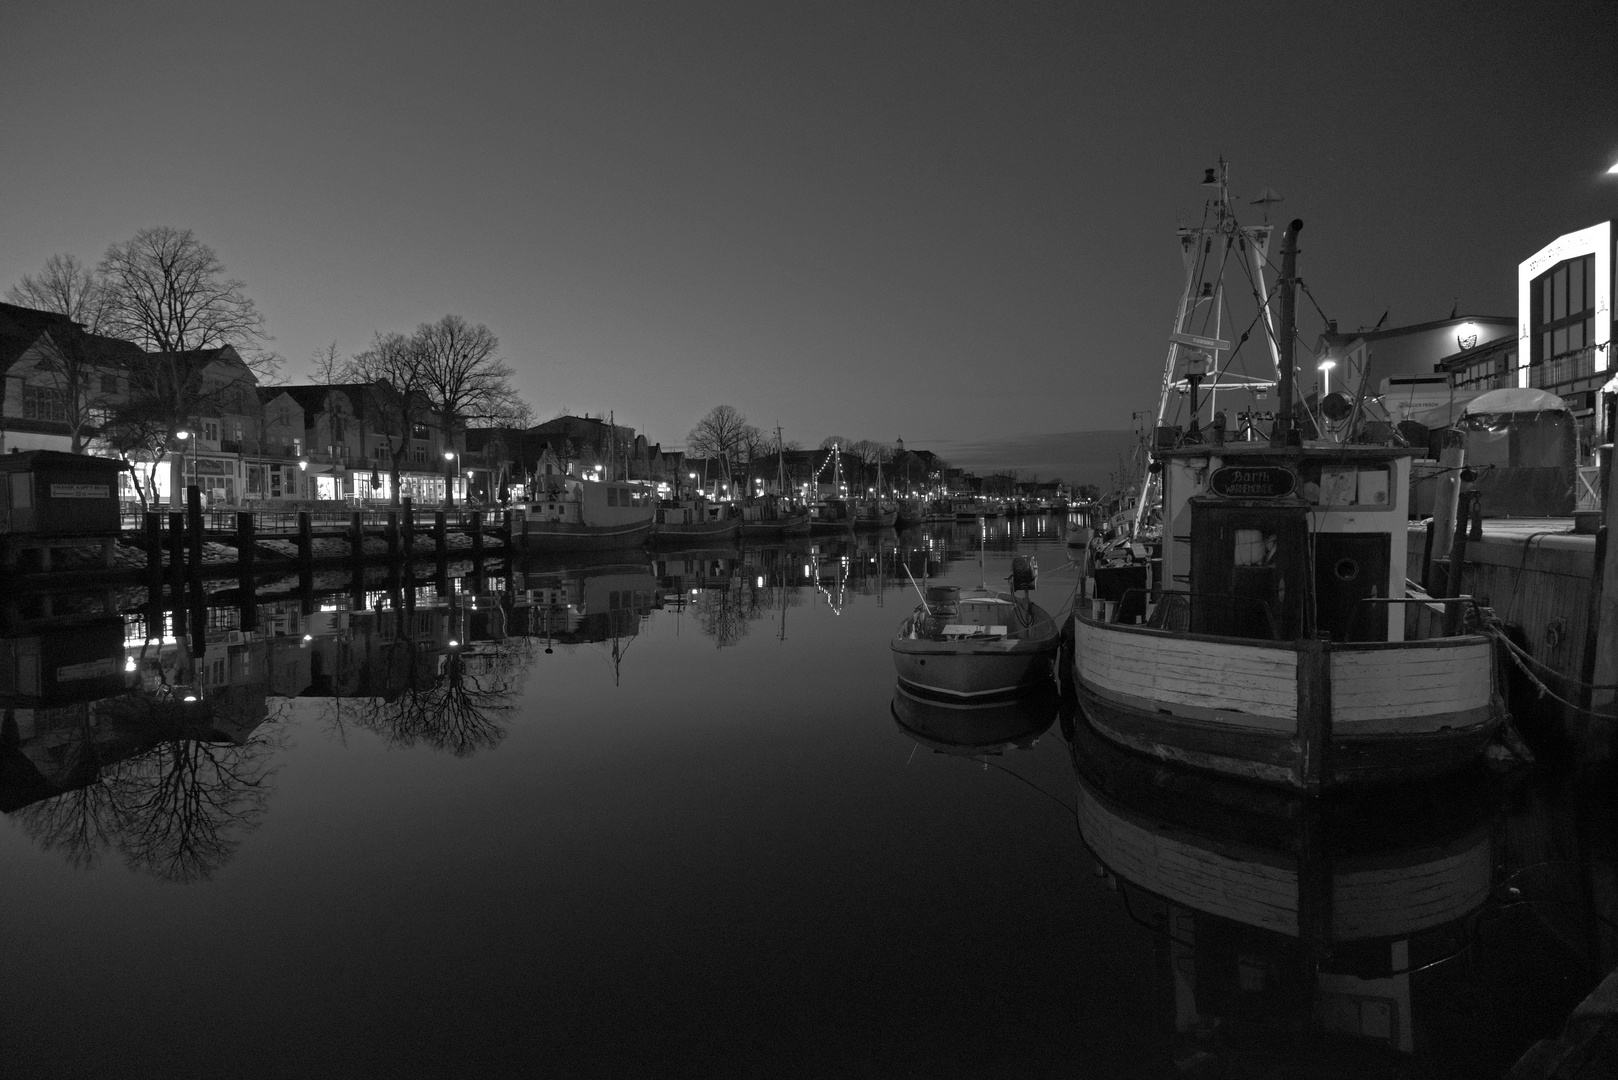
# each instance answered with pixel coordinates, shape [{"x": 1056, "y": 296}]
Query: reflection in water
[
  {"x": 971, "y": 730},
  {"x": 1339, "y": 937},
  {"x": 168, "y": 781}
]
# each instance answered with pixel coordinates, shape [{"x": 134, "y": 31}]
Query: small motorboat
[{"x": 979, "y": 645}]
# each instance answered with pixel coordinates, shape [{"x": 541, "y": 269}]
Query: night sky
[{"x": 951, "y": 223}]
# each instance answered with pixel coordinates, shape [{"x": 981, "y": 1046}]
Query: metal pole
[{"x": 1288, "y": 331}]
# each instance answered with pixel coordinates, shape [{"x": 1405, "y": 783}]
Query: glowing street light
[
  {"x": 185, "y": 441},
  {"x": 1325, "y": 376}
]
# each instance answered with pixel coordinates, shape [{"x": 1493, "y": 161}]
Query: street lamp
[
  {"x": 449, "y": 478},
  {"x": 185, "y": 441},
  {"x": 1325, "y": 376}
]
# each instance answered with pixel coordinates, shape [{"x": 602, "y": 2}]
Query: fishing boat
[
  {"x": 694, "y": 522},
  {"x": 770, "y": 516},
  {"x": 977, "y": 645},
  {"x": 874, "y": 514},
  {"x": 775, "y": 515},
  {"x": 571, "y": 513},
  {"x": 1269, "y": 634}
]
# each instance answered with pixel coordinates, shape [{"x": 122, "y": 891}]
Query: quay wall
[{"x": 1539, "y": 583}]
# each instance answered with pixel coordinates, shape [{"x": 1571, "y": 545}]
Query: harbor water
[{"x": 661, "y": 814}]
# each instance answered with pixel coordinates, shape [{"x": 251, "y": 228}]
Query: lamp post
[
  {"x": 450, "y": 473},
  {"x": 184, "y": 436},
  {"x": 1325, "y": 376}
]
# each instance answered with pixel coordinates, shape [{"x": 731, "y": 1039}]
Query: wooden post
[
  {"x": 1314, "y": 713},
  {"x": 244, "y": 549},
  {"x": 176, "y": 548},
  {"x": 477, "y": 542},
  {"x": 356, "y": 537},
  {"x": 154, "y": 553},
  {"x": 1456, "y": 574},
  {"x": 393, "y": 536},
  {"x": 441, "y": 543},
  {"x": 1606, "y": 626},
  {"x": 408, "y": 541},
  {"x": 1592, "y": 617},
  {"x": 1427, "y": 558},
  {"x": 194, "y": 511},
  {"x": 306, "y": 539},
  {"x": 1446, "y": 507}
]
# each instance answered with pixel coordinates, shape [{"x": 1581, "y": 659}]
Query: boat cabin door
[{"x": 1248, "y": 564}]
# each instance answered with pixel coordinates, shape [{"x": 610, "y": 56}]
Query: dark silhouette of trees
[{"x": 167, "y": 292}]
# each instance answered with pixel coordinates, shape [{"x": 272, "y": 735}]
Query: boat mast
[
  {"x": 1287, "y": 286},
  {"x": 780, "y": 464}
]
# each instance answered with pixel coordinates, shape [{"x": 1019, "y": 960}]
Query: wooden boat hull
[
  {"x": 822, "y": 527},
  {"x": 951, "y": 671},
  {"x": 558, "y": 536},
  {"x": 882, "y": 520},
  {"x": 1309, "y": 716},
  {"x": 694, "y": 534}
]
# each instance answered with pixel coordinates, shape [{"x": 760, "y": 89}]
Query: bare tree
[
  {"x": 462, "y": 372},
  {"x": 325, "y": 367},
  {"x": 167, "y": 292},
  {"x": 67, "y": 287},
  {"x": 75, "y": 361},
  {"x": 398, "y": 394},
  {"x": 720, "y": 435}
]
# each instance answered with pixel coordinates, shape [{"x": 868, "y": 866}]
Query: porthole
[{"x": 1346, "y": 569}]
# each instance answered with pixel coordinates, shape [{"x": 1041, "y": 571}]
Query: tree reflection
[
  {"x": 161, "y": 782},
  {"x": 452, "y": 701},
  {"x": 722, "y": 615}
]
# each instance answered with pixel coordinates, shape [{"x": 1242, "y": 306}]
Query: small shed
[{"x": 48, "y": 493}]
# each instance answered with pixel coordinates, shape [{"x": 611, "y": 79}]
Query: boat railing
[{"x": 1172, "y": 611}]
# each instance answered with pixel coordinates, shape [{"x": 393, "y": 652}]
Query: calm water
[{"x": 667, "y": 816}]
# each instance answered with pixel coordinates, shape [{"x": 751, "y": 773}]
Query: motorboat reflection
[
  {"x": 1285, "y": 923},
  {"x": 969, "y": 730}
]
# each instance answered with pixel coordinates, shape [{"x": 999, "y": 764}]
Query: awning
[{"x": 1512, "y": 399}]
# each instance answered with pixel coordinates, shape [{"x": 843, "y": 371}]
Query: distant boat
[
  {"x": 687, "y": 522},
  {"x": 773, "y": 516},
  {"x": 874, "y": 514},
  {"x": 830, "y": 516},
  {"x": 574, "y": 514},
  {"x": 977, "y": 646}
]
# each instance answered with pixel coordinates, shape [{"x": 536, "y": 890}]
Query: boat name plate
[{"x": 1252, "y": 482}]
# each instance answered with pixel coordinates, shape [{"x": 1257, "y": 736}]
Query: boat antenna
[
  {"x": 1286, "y": 432},
  {"x": 919, "y": 593}
]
